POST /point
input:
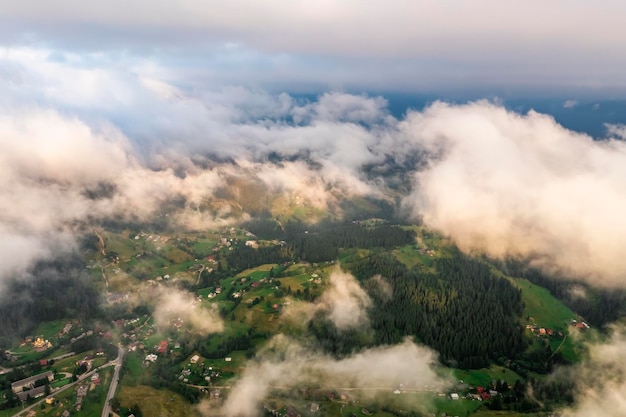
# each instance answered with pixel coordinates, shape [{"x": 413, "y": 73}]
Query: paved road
[
  {"x": 81, "y": 378},
  {"x": 65, "y": 355},
  {"x": 106, "y": 409}
]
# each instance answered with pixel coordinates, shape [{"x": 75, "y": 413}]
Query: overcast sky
[{"x": 401, "y": 45}]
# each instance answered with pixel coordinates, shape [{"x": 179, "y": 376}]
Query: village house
[
  {"x": 162, "y": 346},
  {"x": 32, "y": 393},
  {"x": 19, "y": 386}
]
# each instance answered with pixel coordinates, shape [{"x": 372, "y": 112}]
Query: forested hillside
[
  {"x": 50, "y": 290},
  {"x": 461, "y": 309}
]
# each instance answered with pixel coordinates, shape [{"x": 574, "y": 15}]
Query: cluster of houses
[
  {"x": 315, "y": 279},
  {"x": 82, "y": 335},
  {"x": 200, "y": 371},
  {"x": 160, "y": 348},
  {"x": 81, "y": 393},
  {"x": 482, "y": 394},
  {"x": 543, "y": 331},
  {"x": 426, "y": 251},
  {"x": 83, "y": 389},
  {"x": 547, "y": 332},
  {"x": 154, "y": 238}
]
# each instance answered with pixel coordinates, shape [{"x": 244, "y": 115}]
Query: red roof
[{"x": 162, "y": 346}]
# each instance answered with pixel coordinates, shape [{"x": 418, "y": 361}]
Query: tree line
[{"x": 599, "y": 306}]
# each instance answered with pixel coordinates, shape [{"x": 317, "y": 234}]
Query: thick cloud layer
[
  {"x": 81, "y": 139},
  {"x": 383, "y": 44},
  {"x": 521, "y": 185},
  {"x": 79, "y": 143}
]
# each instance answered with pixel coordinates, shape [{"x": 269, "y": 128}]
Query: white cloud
[
  {"x": 524, "y": 186},
  {"x": 601, "y": 380},
  {"x": 568, "y": 104},
  {"x": 287, "y": 364},
  {"x": 617, "y": 131},
  {"x": 174, "y": 305},
  {"x": 70, "y": 128},
  {"x": 345, "y": 301},
  {"x": 495, "y": 180}
]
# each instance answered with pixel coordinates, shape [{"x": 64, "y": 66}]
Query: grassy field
[
  {"x": 410, "y": 256},
  {"x": 347, "y": 256},
  {"x": 153, "y": 402},
  {"x": 61, "y": 383},
  {"x": 134, "y": 370},
  {"x": 462, "y": 407},
  {"x": 541, "y": 306},
  {"x": 484, "y": 377},
  {"x": 49, "y": 329},
  {"x": 9, "y": 412},
  {"x": 484, "y": 412},
  {"x": 256, "y": 273},
  {"x": 294, "y": 282}
]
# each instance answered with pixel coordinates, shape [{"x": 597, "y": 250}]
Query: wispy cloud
[
  {"x": 344, "y": 303},
  {"x": 373, "y": 372},
  {"x": 601, "y": 380}
]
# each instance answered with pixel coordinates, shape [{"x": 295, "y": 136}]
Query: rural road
[
  {"x": 106, "y": 409},
  {"x": 81, "y": 378},
  {"x": 65, "y": 355}
]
